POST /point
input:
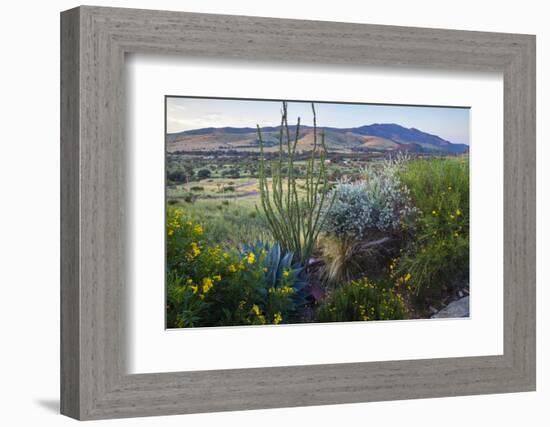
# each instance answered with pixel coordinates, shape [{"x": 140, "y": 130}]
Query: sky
[{"x": 452, "y": 124}]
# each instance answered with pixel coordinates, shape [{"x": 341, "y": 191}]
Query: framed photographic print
[{"x": 262, "y": 213}]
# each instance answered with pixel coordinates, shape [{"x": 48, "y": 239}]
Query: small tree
[
  {"x": 231, "y": 173},
  {"x": 189, "y": 172},
  {"x": 204, "y": 173}
]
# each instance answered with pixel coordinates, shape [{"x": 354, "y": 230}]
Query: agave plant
[{"x": 280, "y": 268}]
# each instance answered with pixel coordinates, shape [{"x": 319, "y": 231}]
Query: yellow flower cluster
[
  {"x": 195, "y": 249},
  {"x": 283, "y": 291},
  {"x": 258, "y": 313},
  {"x": 173, "y": 222},
  {"x": 256, "y": 310},
  {"x": 363, "y": 312},
  {"x": 207, "y": 284},
  {"x": 277, "y": 318},
  {"x": 403, "y": 279}
]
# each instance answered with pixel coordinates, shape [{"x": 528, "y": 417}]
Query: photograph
[{"x": 285, "y": 212}]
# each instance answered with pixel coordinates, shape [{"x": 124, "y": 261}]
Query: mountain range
[{"x": 378, "y": 137}]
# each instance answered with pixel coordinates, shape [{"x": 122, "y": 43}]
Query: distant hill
[{"x": 376, "y": 137}]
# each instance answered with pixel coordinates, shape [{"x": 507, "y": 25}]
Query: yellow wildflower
[
  {"x": 170, "y": 232},
  {"x": 217, "y": 277},
  {"x": 231, "y": 268},
  {"x": 285, "y": 274},
  {"x": 207, "y": 284},
  {"x": 195, "y": 248},
  {"x": 198, "y": 229},
  {"x": 277, "y": 318},
  {"x": 256, "y": 310},
  {"x": 195, "y": 289},
  {"x": 251, "y": 258},
  {"x": 458, "y": 212},
  {"x": 407, "y": 277},
  {"x": 285, "y": 290},
  {"x": 434, "y": 213}
]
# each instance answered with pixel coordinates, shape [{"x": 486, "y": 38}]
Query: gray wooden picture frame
[{"x": 94, "y": 381}]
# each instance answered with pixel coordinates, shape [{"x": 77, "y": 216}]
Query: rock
[{"x": 458, "y": 308}]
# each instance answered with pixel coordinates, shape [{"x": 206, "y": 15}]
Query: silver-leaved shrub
[{"x": 379, "y": 201}]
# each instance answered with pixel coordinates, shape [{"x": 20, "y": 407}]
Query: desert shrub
[
  {"x": 189, "y": 198},
  {"x": 208, "y": 286},
  {"x": 231, "y": 173},
  {"x": 439, "y": 253},
  {"x": 362, "y": 300},
  {"x": 181, "y": 175},
  {"x": 204, "y": 173},
  {"x": 197, "y": 188},
  {"x": 177, "y": 176},
  {"x": 380, "y": 202},
  {"x": 343, "y": 260}
]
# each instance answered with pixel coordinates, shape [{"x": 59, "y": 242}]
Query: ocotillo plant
[{"x": 295, "y": 220}]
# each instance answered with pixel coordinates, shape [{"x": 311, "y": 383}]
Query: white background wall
[{"x": 29, "y": 214}]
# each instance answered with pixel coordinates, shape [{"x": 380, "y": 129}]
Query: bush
[
  {"x": 380, "y": 202},
  {"x": 343, "y": 260},
  {"x": 362, "y": 300},
  {"x": 439, "y": 255},
  {"x": 197, "y": 188},
  {"x": 208, "y": 286},
  {"x": 204, "y": 173},
  {"x": 177, "y": 176},
  {"x": 189, "y": 198},
  {"x": 231, "y": 173}
]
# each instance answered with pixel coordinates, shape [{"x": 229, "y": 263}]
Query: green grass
[
  {"x": 230, "y": 223},
  {"x": 438, "y": 255}
]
